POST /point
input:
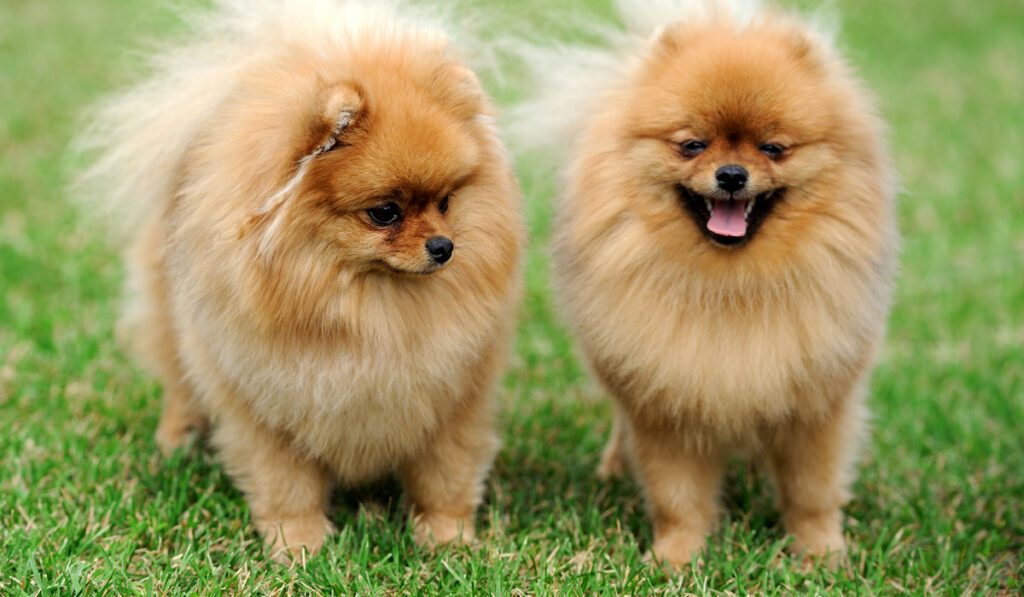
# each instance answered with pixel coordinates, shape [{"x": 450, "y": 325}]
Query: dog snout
[
  {"x": 731, "y": 178},
  {"x": 440, "y": 249}
]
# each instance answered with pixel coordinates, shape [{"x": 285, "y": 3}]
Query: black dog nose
[
  {"x": 731, "y": 178},
  {"x": 440, "y": 248}
]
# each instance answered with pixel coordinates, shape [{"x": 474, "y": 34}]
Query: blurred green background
[{"x": 86, "y": 505}]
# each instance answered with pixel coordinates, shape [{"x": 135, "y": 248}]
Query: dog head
[
  {"x": 378, "y": 162},
  {"x": 736, "y": 121}
]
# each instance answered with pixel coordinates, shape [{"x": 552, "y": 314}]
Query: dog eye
[
  {"x": 772, "y": 150},
  {"x": 385, "y": 214},
  {"x": 693, "y": 147},
  {"x": 443, "y": 205}
]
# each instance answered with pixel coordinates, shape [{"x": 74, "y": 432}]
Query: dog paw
[
  {"x": 177, "y": 430},
  {"x": 613, "y": 464},
  {"x": 828, "y": 551},
  {"x": 287, "y": 540},
  {"x": 817, "y": 540},
  {"x": 435, "y": 529},
  {"x": 677, "y": 549},
  {"x": 172, "y": 437}
]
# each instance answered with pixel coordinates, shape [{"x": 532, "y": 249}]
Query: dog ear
[
  {"x": 341, "y": 107},
  {"x": 457, "y": 88},
  {"x": 806, "y": 51},
  {"x": 338, "y": 112},
  {"x": 668, "y": 38}
]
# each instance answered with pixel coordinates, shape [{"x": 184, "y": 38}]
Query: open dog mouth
[{"x": 729, "y": 222}]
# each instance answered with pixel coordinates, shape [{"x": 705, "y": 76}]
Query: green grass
[{"x": 86, "y": 505}]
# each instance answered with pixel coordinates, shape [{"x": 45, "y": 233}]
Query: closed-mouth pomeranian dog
[
  {"x": 326, "y": 257},
  {"x": 724, "y": 250}
]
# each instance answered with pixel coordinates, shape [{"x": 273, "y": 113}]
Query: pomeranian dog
[
  {"x": 724, "y": 251},
  {"x": 326, "y": 258}
]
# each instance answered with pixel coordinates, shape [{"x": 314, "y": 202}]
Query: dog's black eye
[
  {"x": 772, "y": 150},
  {"x": 385, "y": 214},
  {"x": 443, "y": 205},
  {"x": 693, "y": 147}
]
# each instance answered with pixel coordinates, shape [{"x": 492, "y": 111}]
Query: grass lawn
[{"x": 88, "y": 506}]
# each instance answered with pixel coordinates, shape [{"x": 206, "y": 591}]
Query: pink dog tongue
[{"x": 727, "y": 218}]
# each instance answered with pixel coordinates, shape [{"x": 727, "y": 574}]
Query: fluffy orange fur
[
  {"x": 320, "y": 345},
  {"x": 712, "y": 348}
]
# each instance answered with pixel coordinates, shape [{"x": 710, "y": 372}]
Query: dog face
[
  {"x": 381, "y": 164},
  {"x": 733, "y": 126},
  {"x": 385, "y": 190}
]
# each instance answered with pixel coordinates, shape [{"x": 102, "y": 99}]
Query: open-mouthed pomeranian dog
[
  {"x": 326, "y": 257},
  {"x": 724, "y": 250}
]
